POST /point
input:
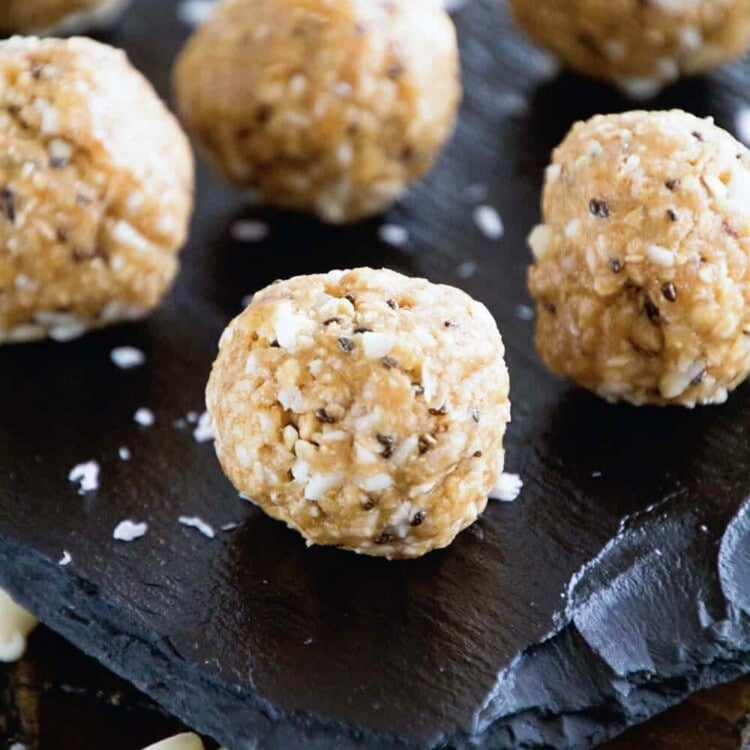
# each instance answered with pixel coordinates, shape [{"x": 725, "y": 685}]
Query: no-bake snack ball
[
  {"x": 641, "y": 269},
  {"x": 58, "y": 16},
  {"x": 327, "y": 106},
  {"x": 96, "y": 183},
  {"x": 640, "y": 45},
  {"x": 363, "y": 408}
]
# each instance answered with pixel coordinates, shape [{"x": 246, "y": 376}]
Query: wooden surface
[
  {"x": 555, "y": 621},
  {"x": 58, "y": 699}
]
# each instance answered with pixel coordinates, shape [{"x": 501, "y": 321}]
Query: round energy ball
[
  {"x": 96, "y": 181},
  {"x": 640, "y": 45},
  {"x": 363, "y": 408},
  {"x": 641, "y": 269},
  {"x": 327, "y": 106},
  {"x": 58, "y": 16}
]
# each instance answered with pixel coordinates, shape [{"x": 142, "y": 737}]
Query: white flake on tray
[
  {"x": 393, "y": 234},
  {"x": 249, "y": 230},
  {"x": 742, "y": 125},
  {"x": 195, "y": 12},
  {"x": 144, "y": 417},
  {"x": 508, "y": 488},
  {"x": 466, "y": 269},
  {"x": 129, "y": 531},
  {"x": 127, "y": 357},
  {"x": 204, "y": 430},
  {"x": 230, "y": 526},
  {"x": 86, "y": 475},
  {"x": 124, "y": 453},
  {"x": 66, "y": 559},
  {"x": 524, "y": 312},
  {"x": 488, "y": 222},
  {"x": 194, "y": 522}
]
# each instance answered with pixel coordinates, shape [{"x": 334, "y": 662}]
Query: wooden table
[{"x": 58, "y": 699}]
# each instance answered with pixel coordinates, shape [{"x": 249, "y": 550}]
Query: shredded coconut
[
  {"x": 86, "y": 475},
  {"x": 198, "y": 523},
  {"x": 508, "y": 488},
  {"x": 129, "y": 531},
  {"x": 127, "y": 357},
  {"x": 144, "y": 417}
]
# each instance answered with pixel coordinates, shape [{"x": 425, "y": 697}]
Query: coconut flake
[
  {"x": 127, "y": 357},
  {"x": 249, "y": 230},
  {"x": 376, "y": 483},
  {"x": 195, "y": 12},
  {"x": 289, "y": 326},
  {"x": 86, "y": 475},
  {"x": 129, "y": 531},
  {"x": 144, "y": 417},
  {"x": 66, "y": 559},
  {"x": 377, "y": 345},
  {"x": 124, "y": 453},
  {"x": 488, "y": 222},
  {"x": 194, "y": 522},
  {"x": 660, "y": 255},
  {"x": 508, "y": 488},
  {"x": 466, "y": 269},
  {"x": 204, "y": 430},
  {"x": 392, "y": 234},
  {"x": 319, "y": 484}
]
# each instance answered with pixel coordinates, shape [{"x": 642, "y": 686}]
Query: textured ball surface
[
  {"x": 363, "y": 408},
  {"x": 641, "y": 267},
  {"x": 640, "y": 45},
  {"x": 58, "y": 16},
  {"x": 96, "y": 182},
  {"x": 328, "y": 106}
]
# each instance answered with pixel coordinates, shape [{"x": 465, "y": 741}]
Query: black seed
[
  {"x": 441, "y": 412},
  {"x": 424, "y": 446},
  {"x": 395, "y": 70},
  {"x": 389, "y": 362},
  {"x": 369, "y": 504},
  {"x": 698, "y": 379},
  {"x": 62, "y": 235},
  {"x": 275, "y": 344},
  {"x": 263, "y": 113},
  {"x": 391, "y": 303},
  {"x": 58, "y": 163},
  {"x": 669, "y": 291},
  {"x": 475, "y": 415},
  {"x": 417, "y": 519},
  {"x": 331, "y": 320},
  {"x": 671, "y": 214},
  {"x": 615, "y": 265},
  {"x": 383, "y": 538},
  {"x": 549, "y": 307},
  {"x": 363, "y": 330},
  {"x": 82, "y": 199},
  {"x": 80, "y": 255},
  {"x": 36, "y": 70},
  {"x": 599, "y": 208},
  {"x": 418, "y": 388},
  {"x": 388, "y": 442},
  {"x": 349, "y": 297},
  {"x": 698, "y": 136},
  {"x": 323, "y": 416},
  {"x": 477, "y": 454},
  {"x": 730, "y": 230},
  {"x": 672, "y": 184},
  {"x": 450, "y": 324},
  {"x": 8, "y": 204},
  {"x": 652, "y": 311},
  {"x": 346, "y": 344}
]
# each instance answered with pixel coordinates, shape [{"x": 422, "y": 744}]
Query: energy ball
[
  {"x": 327, "y": 106},
  {"x": 642, "y": 266},
  {"x": 363, "y": 408},
  {"x": 96, "y": 181},
  {"x": 58, "y": 16},
  {"x": 640, "y": 45}
]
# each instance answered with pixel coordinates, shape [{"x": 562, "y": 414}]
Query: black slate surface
[{"x": 617, "y": 583}]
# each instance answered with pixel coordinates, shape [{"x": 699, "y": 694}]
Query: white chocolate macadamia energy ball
[
  {"x": 363, "y": 408},
  {"x": 639, "y": 45},
  {"x": 58, "y": 16},
  {"x": 641, "y": 268},
  {"x": 333, "y": 107},
  {"x": 96, "y": 184}
]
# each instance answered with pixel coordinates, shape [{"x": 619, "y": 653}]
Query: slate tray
[{"x": 617, "y": 583}]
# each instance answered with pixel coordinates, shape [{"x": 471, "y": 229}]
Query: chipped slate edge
[{"x": 615, "y": 703}]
